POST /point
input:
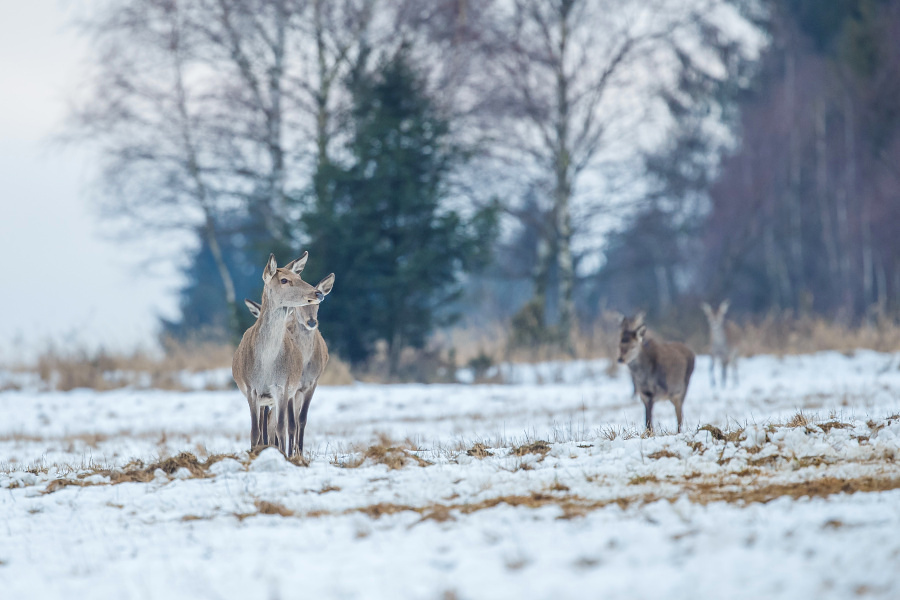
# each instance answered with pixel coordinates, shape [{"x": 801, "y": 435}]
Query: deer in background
[
  {"x": 268, "y": 364},
  {"x": 723, "y": 341},
  {"x": 303, "y": 327},
  {"x": 658, "y": 369}
]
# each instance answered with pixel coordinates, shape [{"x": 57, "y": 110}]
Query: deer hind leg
[
  {"x": 292, "y": 424},
  {"x": 724, "y": 373},
  {"x": 254, "y": 421},
  {"x": 712, "y": 370},
  {"x": 734, "y": 371},
  {"x": 647, "y": 398},
  {"x": 678, "y": 401},
  {"x": 301, "y": 418}
]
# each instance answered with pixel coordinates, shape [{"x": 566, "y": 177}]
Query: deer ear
[
  {"x": 639, "y": 318},
  {"x": 271, "y": 267},
  {"x": 707, "y": 309},
  {"x": 299, "y": 264},
  {"x": 253, "y": 307},
  {"x": 640, "y": 331},
  {"x": 723, "y": 308},
  {"x": 326, "y": 284}
]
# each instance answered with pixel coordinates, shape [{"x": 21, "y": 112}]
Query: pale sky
[{"x": 61, "y": 280}]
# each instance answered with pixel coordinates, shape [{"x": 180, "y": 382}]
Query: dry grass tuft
[
  {"x": 538, "y": 447},
  {"x": 664, "y": 453},
  {"x": 642, "y": 479},
  {"x": 479, "y": 450},
  {"x": 264, "y": 507},
  {"x": 718, "y": 434},
  {"x": 798, "y": 420}
]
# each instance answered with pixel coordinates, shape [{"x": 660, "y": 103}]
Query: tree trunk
[
  {"x": 563, "y": 191},
  {"x": 793, "y": 192},
  {"x": 831, "y": 251},
  {"x": 843, "y": 199}
]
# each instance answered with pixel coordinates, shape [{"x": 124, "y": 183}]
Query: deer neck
[
  {"x": 271, "y": 329},
  {"x": 647, "y": 354},
  {"x": 717, "y": 333},
  {"x": 304, "y": 338}
]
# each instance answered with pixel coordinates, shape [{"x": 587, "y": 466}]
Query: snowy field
[{"x": 786, "y": 486}]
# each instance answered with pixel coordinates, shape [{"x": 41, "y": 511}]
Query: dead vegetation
[
  {"x": 539, "y": 447},
  {"x": 139, "y": 472},
  {"x": 392, "y": 454},
  {"x": 479, "y": 450},
  {"x": 65, "y": 370}
]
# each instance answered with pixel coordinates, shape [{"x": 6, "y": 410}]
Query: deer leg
[
  {"x": 724, "y": 373},
  {"x": 678, "y": 401},
  {"x": 301, "y": 420},
  {"x": 292, "y": 425},
  {"x": 712, "y": 370},
  {"x": 281, "y": 426},
  {"x": 264, "y": 425},
  {"x": 648, "y": 410},
  {"x": 254, "y": 423},
  {"x": 734, "y": 372}
]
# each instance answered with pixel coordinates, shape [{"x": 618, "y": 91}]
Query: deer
[
  {"x": 659, "y": 370},
  {"x": 723, "y": 341},
  {"x": 268, "y": 365},
  {"x": 303, "y": 327}
]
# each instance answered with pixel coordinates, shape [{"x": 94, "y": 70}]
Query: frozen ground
[{"x": 535, "y": 489}]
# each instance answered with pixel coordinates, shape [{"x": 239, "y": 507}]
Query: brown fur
[
  {"x": 658, "y": 369},
  {"x": 304, "y": 331},
  {"x": 268, "y": 364}
]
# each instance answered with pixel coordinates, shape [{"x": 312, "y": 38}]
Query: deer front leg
[
  {"x": 647, "y": 399},
  {"x": 712, "y": 370},
  {"x": 254, "y": 419},
  {"x": 283, "y": 425}
]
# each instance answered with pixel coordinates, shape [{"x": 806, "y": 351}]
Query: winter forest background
[{"x": 524, "y": 166}]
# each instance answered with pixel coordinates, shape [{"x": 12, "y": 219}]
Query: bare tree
[
  {"x": 573, "y": 88},
  {"x": 147, "y": 113}
]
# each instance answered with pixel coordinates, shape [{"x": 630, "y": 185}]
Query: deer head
[
  {"x": 632, "y": 336},
  {"x": 715, "y": 316},
  {"x": 307, "y": 315},
  {"x": 284, "y": 288}
]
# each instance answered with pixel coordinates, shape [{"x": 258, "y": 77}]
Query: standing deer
[
  {"x": 658, "y": 369},
  {"x": 723, "y": 341},
  {"x": 268, "y": 364},
  {"x": 304, "y": 329}
]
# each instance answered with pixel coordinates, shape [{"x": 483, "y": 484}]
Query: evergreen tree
[{"x": 382, "y": 224}]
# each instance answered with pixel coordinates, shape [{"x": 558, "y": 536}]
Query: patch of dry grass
[
  {"x": 479, "y": 450},
  {"x": 537, "y": 447}
]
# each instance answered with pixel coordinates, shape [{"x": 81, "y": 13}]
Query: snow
[{"x": 599, "y": 512}]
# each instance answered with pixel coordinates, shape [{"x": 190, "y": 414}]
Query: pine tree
[{"x": 381, "y": 222}]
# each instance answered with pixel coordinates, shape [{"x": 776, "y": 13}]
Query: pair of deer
[
  {"x": 662, "y": 370},
  {"x": 280, "y": 358}
]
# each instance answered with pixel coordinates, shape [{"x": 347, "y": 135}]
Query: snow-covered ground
[{"x": 540, "y": 488}]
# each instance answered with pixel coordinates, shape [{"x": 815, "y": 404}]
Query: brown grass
[
  {"x": 479, "y": 450},
  {"x": 105, "y": 370},
  {"x": 392, "y": 454},
  {"x": 537, "y": 447},
  {"x": 664, "y": 453},
  {"x": 138, "y": 472}
]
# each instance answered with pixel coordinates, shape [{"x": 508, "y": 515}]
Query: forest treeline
[{"x": 527, "y": 161}]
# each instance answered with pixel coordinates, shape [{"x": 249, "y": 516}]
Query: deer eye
[{"x": 283, "y": 280}]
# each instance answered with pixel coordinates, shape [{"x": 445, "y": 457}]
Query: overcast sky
[{"x": 60, "y": 279}]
